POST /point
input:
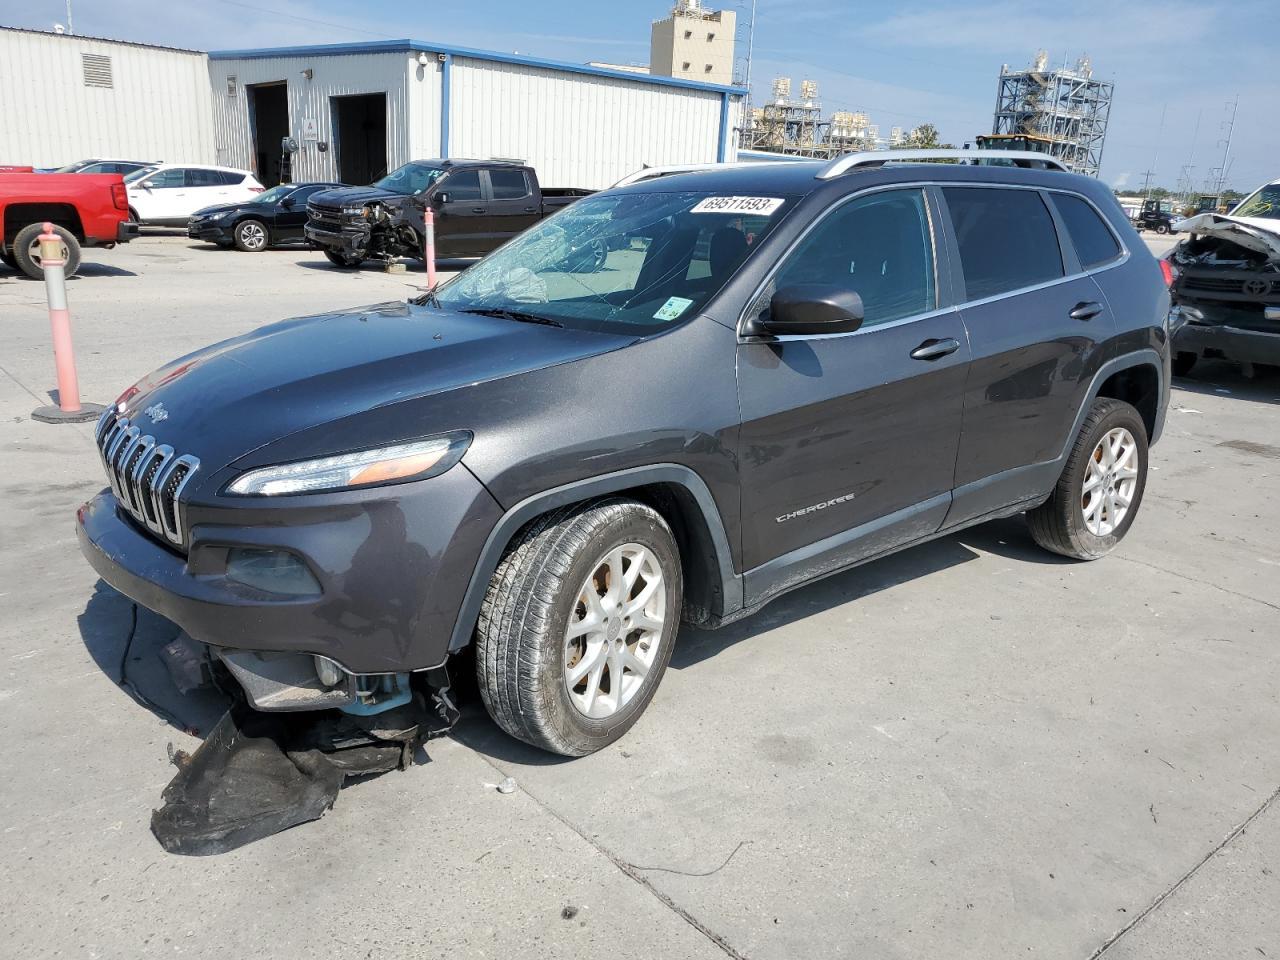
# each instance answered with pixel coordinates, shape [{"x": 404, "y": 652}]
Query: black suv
[{"x": 782, "y": 371}]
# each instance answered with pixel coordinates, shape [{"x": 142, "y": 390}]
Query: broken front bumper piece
[{"x": 286, "y": 682}]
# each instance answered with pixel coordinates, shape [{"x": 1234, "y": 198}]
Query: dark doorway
[
  {"x": 361, "y": 140},
  {"x": 269, "y": 117}
]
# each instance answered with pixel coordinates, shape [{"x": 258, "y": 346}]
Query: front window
[
  {"x": 138, "y": 174},
  {"x": 410, "y": 180},
  {"x": 1265, "y": 204},
  {"x": 275, "y": 194},
  {"x": 629, "y": 263}
]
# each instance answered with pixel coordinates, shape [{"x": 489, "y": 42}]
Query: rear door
[
  {"x": 464, "y": 217},
  {"x": 848, "y": 441},
  {"x": 514, "y": 204},
  {"x": 1038, "y": 326},
  {"x": 205, "y": 188}
]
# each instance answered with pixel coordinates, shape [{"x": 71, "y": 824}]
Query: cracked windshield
[{"x": 620, "y": 264}]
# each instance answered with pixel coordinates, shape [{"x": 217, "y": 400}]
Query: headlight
[
  {"x": 364, "y": 468},
  {"x": 356, "y": 211}
]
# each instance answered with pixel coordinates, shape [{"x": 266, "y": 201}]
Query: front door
[
  {"x": 291, "y": 213},
  {"x": 513, "y": 207},
  {"x": 1037, "y": 326},
  {"x": 848, "y": 441},
  {"x": 163, "y": 196},
  {"x": 464, "y": 216}
]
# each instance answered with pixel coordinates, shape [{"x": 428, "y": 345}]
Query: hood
[
  {"x": 231, "y": 398},
  {"x": 351, "y": 196},
  {"x": 1260, "y": 236},
  {"x": 227, "y": 208}
]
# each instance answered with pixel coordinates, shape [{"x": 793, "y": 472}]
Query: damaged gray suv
[{"x": 782, "y": 371}]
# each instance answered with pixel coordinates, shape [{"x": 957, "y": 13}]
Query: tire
[
  {"x": 523, "y": 650},
  {"x": 133, "y": 215},
  {"x": 7, "y": 259},
  {"x": 1062, "y": 524},
  {"x": 26, "y": 250},
  {"x": 251, "y": 236},
  {"x": 338, "y": 260},
  {"x": 1183, "y": 363},
  {"x": 1162, "y": 228}
]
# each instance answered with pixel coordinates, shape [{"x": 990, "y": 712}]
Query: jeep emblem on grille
[{"x": 157, "y": 412}]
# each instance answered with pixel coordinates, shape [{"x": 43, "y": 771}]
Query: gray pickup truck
[{"x": 478, "y": 205}]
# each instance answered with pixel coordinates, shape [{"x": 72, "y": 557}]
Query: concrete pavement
[{"x": 970, "y": 749}]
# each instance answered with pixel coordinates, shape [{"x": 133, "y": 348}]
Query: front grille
[
  {"x": 1231, "y": 285},
  {"x": 328, "y": 217},
  {"x": 147, "y": 478}
]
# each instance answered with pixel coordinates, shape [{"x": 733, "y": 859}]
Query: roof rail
[
  {"x": 653, "y": 173},
  {"x": 876, "y": 158}
]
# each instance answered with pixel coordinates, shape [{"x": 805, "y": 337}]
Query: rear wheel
[
  {"x": 1098, "y": 495},
  {"x": 578, "y": 625},
  {"x": 251, "y": 236},
  {"x": 26, "y": 251},
  {"x": 1162, "y": 228},
  {"x": 338, "y": 260},
  {"x": 1183, "y": 362}
]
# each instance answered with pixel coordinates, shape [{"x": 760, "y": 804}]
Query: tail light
[
  {"x": 1169, "y": 273},
  {"x": 120, "y": 196}
]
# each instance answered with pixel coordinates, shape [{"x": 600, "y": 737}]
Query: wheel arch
[
  {"x": 712, "y": 588},
  {"x": 1139, "y": 386},
  {"x": 20, "y": 215},
  {"x": 1113, "y": 373}
]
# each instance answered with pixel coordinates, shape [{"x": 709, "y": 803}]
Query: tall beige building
[{"x": 694, "y": 43}]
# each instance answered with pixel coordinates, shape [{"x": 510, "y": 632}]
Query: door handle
[
  {"x": 935, "y": 349},
  {"x": 530, "y": 209},
  {"x": 1085, "y": 311},
  {"x": 477, "y": 209}
]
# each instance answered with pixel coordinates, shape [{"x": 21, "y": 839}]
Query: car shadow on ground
[
  {"x": 1225, "y": 379},
  {"x": 127, "y": 642}
]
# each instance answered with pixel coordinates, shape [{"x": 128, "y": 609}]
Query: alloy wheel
[
  {"x": 1110, "y": 479},
  {"x": 34, "y": 252},
  {"x": 614, "y": 630},
  {"x": 253, "y": 236}
]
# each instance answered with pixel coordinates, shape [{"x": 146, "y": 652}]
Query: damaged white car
[{"x": 1227, "y": 291}]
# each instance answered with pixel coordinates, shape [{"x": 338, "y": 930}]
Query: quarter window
[
  {"x": 508, "y": 184},
  {"x": 1094, "y": 243},
  {"x": 880, "y": 247},
  {"x": 463, "y": 185},
  {"x": 1007, "y": 239}
]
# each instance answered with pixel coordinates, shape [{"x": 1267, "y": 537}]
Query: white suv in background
[{"x": 169, "y": 193}]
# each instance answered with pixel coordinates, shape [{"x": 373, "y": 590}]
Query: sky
[{"x": 904, "y": 63}]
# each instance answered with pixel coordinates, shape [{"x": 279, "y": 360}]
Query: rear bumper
[
  {"x": 391, "y": 571},
  {"x": 126, "y": 231}
]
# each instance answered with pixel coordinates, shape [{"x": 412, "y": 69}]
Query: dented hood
[{"x": 1246, "y": 232}]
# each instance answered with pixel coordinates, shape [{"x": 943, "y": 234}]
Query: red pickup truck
[{"x": 87, "y": 210}]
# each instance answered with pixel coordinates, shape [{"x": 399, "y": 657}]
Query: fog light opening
[
  {"x": 330, "y": 673},
  {"x": 272, "y": 571}
]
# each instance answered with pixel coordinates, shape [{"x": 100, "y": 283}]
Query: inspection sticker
[
  {"x": 672, "y": 308},
  {"x": 761, "y": 206}
]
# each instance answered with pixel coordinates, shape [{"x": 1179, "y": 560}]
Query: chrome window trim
[{"x": 1123, "y": 258}]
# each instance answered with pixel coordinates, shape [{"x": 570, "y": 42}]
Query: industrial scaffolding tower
[{"x": 1062, "y": 112}]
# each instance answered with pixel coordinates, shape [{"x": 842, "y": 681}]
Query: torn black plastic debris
[{"x": 260, "y": 773}]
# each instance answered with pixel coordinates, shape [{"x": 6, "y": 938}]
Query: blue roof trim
[{"x": 418, "y": 46}]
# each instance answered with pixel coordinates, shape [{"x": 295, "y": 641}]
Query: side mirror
[
  {"x": 288, "y": 202},
  {"x": 440, "y": 199},
  {"x": 810, "y": 308}
]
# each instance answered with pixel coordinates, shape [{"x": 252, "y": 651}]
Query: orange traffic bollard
[{"x": 69, "y": 408}]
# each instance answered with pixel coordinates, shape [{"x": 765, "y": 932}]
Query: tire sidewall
[
  {"x": 22, "y": 241},
  {"x": 240, "y": 244},
  {"x": 1122, "y": 416},
  {"x": 582, "y": 734}
]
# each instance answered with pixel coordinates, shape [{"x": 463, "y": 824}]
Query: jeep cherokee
[{"x": 782, "y": 371}]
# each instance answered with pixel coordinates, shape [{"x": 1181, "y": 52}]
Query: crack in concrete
[
  {"x": 23, "y": 386},
  {"x": 1203, "y": 583},
  {"x": 1155, "y": 904},
  {"x": 631, "y": 871}
]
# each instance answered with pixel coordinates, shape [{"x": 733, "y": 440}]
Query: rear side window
[
  {"x": 228, "y": 178},
  {"x": 879, "y": 246},
  {"x": 1007, "y": 239},
  {"x": 1094, "y": 243},
  {"x": 508, "y": 184},
  {"x": 203, "y": 178}
]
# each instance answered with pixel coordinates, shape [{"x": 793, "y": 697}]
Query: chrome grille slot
[{"x": 146, "y": 478}]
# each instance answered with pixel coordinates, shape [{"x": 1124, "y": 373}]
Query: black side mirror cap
[{"x": 807, "y": 309}]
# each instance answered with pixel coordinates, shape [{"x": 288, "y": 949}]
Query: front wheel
[
  {"x": 578, "y": 625},
  {"x": 1162, "y": 228},
  {"x": 251, "y": 236},
  {"x": 1098, "y": 495}
]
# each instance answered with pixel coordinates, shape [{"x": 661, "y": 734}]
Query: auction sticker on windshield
[
  {"x": 672, "y": 308},
  {"x": 763, "y": 206}
]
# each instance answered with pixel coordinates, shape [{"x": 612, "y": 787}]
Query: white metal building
[
  {"x": 109, "y": 98},
  {"x": 357, "y": 109}
]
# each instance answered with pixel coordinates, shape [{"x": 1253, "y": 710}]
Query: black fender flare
[
  {"x": 524, "y": 511},
  {"x": 1145, "y": 356}
]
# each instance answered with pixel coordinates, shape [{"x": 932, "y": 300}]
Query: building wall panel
[
  {"x": 157, "y": 107},
  {"x": 577, "y": 130}
]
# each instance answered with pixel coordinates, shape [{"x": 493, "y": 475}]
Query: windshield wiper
[
  {"x": 427, "y": 298},
  {"x": 519, "y": 315}
]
